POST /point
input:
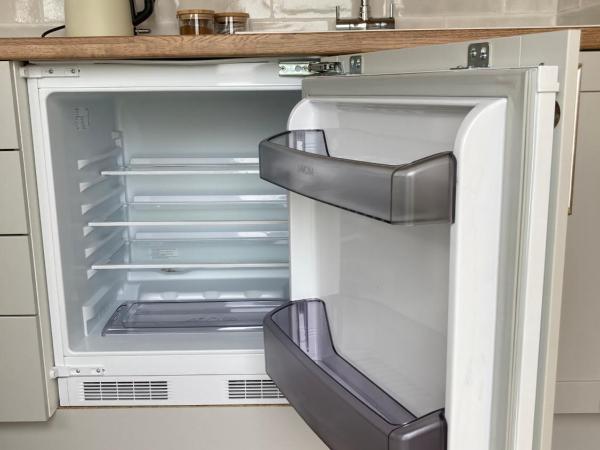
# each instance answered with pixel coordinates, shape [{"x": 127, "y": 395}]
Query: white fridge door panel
[{"x": 454, "y": 315}]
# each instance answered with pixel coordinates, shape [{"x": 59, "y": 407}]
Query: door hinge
[
  {"x": 307, "y": 68},
  {"x": 50, "y": 72},
  {"x": 80, "y": 371},
  {"x": 478, "y": 56}
]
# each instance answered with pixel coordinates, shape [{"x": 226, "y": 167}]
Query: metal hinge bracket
[
  {"x": 478, "y": 56},
  {"x": 50, "y": 72},
  {"x": 81, "y": 371},
  {"x": 307, "y": 68}
]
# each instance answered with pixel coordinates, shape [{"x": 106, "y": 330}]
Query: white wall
[{"x": 30, "y": 17}]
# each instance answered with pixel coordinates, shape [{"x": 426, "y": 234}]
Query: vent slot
[
  {"x": 254, "y": 390},
  {"x": 125, "y": 390}
]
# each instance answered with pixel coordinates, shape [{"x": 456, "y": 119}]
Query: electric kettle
[{"x": 104, "y": 17}]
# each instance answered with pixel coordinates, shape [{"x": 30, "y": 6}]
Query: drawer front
[
  {"x": 13, "y": 212},
  {"x": 9, "y": 139},
  {"x": 17, "y": 296},
  {"x": 22, "y": 378}
]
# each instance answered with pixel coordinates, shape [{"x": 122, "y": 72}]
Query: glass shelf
[
  {"x": 228, "y": 253},
  {"x": 187, "y": 214},
  {"x": 345, "y": 408},
  {"x": 420, "y": 191},
  {"x": 186, "y": 166},
  {"x": 189, "y": 316}
]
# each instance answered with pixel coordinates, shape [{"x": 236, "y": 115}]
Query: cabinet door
[
  {"x": 23, "y": 396},
  {"x": 16, "y": 279},
  {"x": 27, "y": 392},
  {"x": 578, "y": 389},
  {"x": 13, "y": 213},
  {"x": 8, "y": 125}
]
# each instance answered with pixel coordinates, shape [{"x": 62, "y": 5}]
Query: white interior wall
[{"x": 202, "y": 124}]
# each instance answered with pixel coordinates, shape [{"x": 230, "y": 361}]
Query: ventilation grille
[
  {"x": 125, "y": 390},
  {"x": 253, "y": 390}
]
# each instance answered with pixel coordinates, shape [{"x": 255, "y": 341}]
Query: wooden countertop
[{"x": 254, "y": 45}]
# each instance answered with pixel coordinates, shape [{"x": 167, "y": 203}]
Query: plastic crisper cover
[
  {"x": 189, "y": 316},
  {"x": 346, "y": 409},
  {"x": 421, "y": 191}
]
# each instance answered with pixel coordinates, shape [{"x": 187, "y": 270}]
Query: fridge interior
[{"x": 168, "y": 238}]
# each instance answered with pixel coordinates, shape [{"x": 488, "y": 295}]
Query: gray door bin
[
  {"x": 342, "y": 406},
  {"x": 420, "y": 191}
]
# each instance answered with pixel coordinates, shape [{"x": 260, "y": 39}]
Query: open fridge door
[{"x": 429, "y": 192}]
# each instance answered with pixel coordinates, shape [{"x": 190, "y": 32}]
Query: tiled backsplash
[
  {"x": 578, "y": 12},
  {"x": 29, "y": 17}
]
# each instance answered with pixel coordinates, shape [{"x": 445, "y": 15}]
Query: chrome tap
[{"x": 365, "y": 21}]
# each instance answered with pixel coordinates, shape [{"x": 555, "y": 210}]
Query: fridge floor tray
[{"x": 189, "y": 316}]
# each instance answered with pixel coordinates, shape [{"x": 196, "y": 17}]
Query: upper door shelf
[{"x": 420, "y": 191}]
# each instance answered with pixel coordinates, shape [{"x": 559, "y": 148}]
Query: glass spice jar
[
  {"x": 231, "y": 22},
  {"x": 196, "y": 21}
]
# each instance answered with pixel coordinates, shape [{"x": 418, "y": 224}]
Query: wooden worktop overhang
[{"x": 254, "y": 45}]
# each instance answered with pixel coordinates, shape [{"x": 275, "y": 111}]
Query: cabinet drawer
[
  {"x": 9, "y": 139},
  {"x": 22, "y": 378},
  {"x": 17, "y": 295},
  {"x": 13, "y": 212}
]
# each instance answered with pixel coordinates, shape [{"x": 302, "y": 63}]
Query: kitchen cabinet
[
  {"x": 22, "y": 375},
  {"x": 578, "y": 377},
  {"x": 27, "y": 392},
  {"x": 9, "y": 139},
  {"x": 13, "y": 219},
  {"x": 16, "y": 277}
]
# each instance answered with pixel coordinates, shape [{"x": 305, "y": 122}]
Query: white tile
[
  {"x": 54, "y": 10},
  {"x": 531, "y": 6},
  {"x": 565, "y": 5},
  {"x": 22, "y": 30},
  {"x": 450, "y": 7},
  {"x": 531, "y": 20},
  {"x": 291, "y": 26},
  {"x": 585, "y": 16},
  {"x": 324, "y": 9},
  {"x": 21, "y": 11},
  {"x": 421, "y": 23},
  {"x": 423, "y": 8},
  {"x": 259, "y": 9},
  {"x": 165, "y": 10}
]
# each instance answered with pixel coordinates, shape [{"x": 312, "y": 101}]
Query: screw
[
  {"x": 73, "y": 71},
  {"x": 50, "y": 71},
  {"x": 98, "y": 371},
  {"x": 77, "y": 371}
]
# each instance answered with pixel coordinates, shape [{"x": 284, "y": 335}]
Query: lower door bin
[{"x": 340, "y": 404}]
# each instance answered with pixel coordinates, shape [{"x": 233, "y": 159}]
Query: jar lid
[
  {"x": 183, "y": 12},
  {"x": 241, "y": 15}
]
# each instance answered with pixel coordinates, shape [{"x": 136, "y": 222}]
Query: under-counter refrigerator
[{"x": 410, "y": 203}]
